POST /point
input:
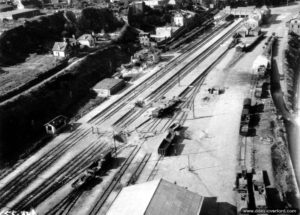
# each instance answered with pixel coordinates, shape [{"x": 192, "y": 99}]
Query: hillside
[
  {"x": 38, "y": 35},
  {"x": 22, "y": 119}
]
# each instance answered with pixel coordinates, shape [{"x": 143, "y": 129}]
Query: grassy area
[{"x": 15, "y": 76}]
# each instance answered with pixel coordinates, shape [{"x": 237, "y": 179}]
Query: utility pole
[
  {"x": 189, "y": 166},
  {"x": 115, "y": 147}
]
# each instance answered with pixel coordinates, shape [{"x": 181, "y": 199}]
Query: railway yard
[{"x": 128, "y": 140}]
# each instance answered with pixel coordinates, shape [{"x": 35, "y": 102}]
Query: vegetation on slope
[
  {"x": 39, "y": 34},
  {"x": 22, "y": 120}
]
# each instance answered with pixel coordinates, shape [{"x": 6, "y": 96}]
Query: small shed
[
  {"x": 108, "y": 86},
  {"x": 56, "y": 124}
]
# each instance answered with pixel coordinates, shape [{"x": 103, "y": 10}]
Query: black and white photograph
[{"x": 149, "y": 107}]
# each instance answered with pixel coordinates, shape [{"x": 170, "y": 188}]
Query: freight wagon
[{"x": 96, "y": 169}]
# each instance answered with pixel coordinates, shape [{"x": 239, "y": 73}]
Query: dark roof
[
  {"x": 5, "y": 7},
  {"x": 16, "y": 12},
  {"x": 107, "y": 83},
  {"x": 56, "y": 121}
]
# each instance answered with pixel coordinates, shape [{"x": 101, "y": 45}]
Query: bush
[{"x": 97, "y": 20}]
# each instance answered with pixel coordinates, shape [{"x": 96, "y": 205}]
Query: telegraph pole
[
  {"x": 189, "y": 166},
  {"x": 115, "y": 147}
]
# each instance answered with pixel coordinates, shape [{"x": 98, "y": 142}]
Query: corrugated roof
[
  {"x": 158, "y": 197},
  {"x": 107, "y": 83}
]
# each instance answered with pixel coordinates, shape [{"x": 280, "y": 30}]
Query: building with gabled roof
[
  {"x": 294, "y": 25},
  {"x": 86, "y": 40},
  {"x": 61, "y": 49},
  {"x": 158, "y": 197},
  {"x": 108, "y": 86},
  {"x": 57, "y": 124}
]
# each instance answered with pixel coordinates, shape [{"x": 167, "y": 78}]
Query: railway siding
[{"x": 109, "y": 103}]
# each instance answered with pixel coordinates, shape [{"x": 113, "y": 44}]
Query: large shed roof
[
  {"x": 107, "y": 83},
  {"x": 10, "y": 13},
  {"x": 157, "y": 197}
]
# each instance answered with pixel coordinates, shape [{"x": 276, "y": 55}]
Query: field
[{"x": 14, "y": 77}]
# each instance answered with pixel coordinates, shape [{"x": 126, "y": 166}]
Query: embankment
[
  {"x": 282, "y": 150},
  {"x": 36, "y": 35},
  {"x": 22, "y": 119}
]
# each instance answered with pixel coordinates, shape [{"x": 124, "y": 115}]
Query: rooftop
[
  {"x": 14, "y": 12},
  {"x": 57, "y": 121},
  {"x": 107, "y": 83},
  {"x": 59, "y": 46},
  {"x": 85, "y": 37},
  {"x": 158, "y": 197}
]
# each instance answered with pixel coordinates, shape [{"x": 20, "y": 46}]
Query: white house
[
  {"x": 61, "y": 49},
  {"x": 257, "y": 16},
  {"x": 86, "y": 40},
  {"x": 252, "y": 23},
  {"x": 179, "y": 19},
  {"x": 155, "y": 3},
  {"x": 294, "y": 25},
  {"x": 165, "y": 32}
]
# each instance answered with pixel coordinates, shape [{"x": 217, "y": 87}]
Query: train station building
[{"x": 108, "y": 86}]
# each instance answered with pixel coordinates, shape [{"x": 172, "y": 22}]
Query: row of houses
[
  {"x": 261, "y": 14},
  {"x": 180, "y": 18},
  {"x": 255, "y": 18},
  {"x": 65, "y": 48}
]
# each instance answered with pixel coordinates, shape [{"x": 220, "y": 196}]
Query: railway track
[
  {"x": 47, "y": 188},
  {"x": 130, "y": 96},
  {"x": 139, "y": 169},
  {"x": 112, "y": 185},
  {"x": 154, "y": 170},
  {"x": 18, "y": 184},
  {"x": 163, "y": 89},
  {"x": 66, "y": 204},
  {"x": 64, "y": 175}
]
